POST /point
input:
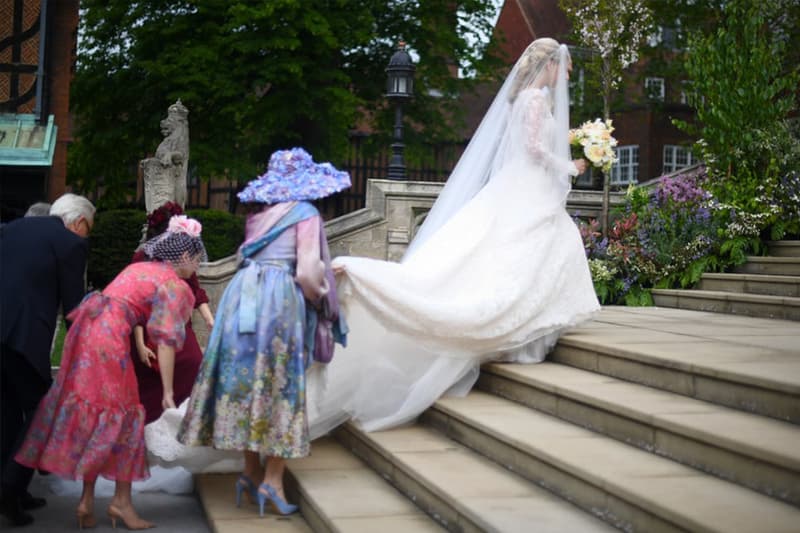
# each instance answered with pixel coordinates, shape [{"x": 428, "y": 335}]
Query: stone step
[
  {"x": 775, "y": 266},
  {"x": 758, "y": 305},
  {"x": 784, "y": 248},
  {"x": 336, "y": 491},
  {"x": 757, "y": 452},
  {"x": 218, "y": 497},
  {"x": 751, "y": 364},
  {"x": 628, "y": 487},
  {"x": 751, "y": 284},
  {"x": 463, "y": 490}
]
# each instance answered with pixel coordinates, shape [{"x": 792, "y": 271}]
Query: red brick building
[
  {"x": 649, "y": 145},
  {"x": 37, "y": 56}
]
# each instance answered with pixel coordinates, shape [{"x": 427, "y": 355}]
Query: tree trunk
[{"x": 606, "y": 175}]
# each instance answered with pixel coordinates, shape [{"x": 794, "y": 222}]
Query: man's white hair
[
  {"x": 39, "y": 209},
  {"x": 70, "y": 207}
]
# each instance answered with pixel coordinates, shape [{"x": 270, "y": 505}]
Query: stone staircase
[
  {"x": 646, "y": 419},
  {"x": 766, "y": 286}
]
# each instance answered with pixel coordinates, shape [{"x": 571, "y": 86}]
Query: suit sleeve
[{"x": 71, "y": 268}]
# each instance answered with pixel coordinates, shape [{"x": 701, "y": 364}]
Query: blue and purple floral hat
[{"x": 293, "y": 176}]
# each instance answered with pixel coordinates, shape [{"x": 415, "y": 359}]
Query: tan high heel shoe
[
  {"x": 86, "y": 519},
  {"x": 129, "y": 518}
]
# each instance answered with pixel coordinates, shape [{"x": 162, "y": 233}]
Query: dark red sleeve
[
  {"x": 200, "y": 296},
  {"x": 139, "y": 256}
]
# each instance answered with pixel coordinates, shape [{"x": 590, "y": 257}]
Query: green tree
[
  {"x": 613, "y": 31},
  {"x": 257, "y": 76},
  {"x": 744, "y": 78}
]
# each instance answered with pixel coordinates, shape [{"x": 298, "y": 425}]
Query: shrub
[
  {"x": 115, "y": 236},
  {"x": 668, "y": 236},
  {"x": 58, "y": 343},
  {"x": 222, "y": 231}
]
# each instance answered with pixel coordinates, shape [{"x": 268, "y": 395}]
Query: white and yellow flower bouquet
[{"x": 595, "y": 138}]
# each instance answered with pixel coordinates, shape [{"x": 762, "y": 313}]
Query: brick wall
[{"x": 61, "y": 50}]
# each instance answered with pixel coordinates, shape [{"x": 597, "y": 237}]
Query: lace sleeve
[{"x": 537, "y": 113}]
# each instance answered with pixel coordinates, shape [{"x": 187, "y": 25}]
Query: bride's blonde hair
[{"x": 531, "y": 64}]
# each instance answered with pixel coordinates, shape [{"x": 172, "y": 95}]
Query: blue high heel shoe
[
  {"x": 267, "y": 494},
  {"x": 245, "y": 484}
]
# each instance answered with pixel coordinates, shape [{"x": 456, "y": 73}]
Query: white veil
[
  {"x": 492, "y": 146},
  {"x": 502, "y": 274}
]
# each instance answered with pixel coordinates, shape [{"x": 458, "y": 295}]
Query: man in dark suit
[{"x": 42, "y": 264}]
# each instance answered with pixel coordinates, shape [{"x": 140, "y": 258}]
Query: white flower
[{"x": 597, "y": 142}]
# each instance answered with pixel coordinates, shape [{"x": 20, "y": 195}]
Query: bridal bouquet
[{"x": 597, "y": 143}]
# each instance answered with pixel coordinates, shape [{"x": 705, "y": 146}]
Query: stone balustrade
[{"x": 382, "y": 229}]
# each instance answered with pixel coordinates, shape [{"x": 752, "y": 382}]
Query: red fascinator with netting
[{"x": 158, "y": 220}]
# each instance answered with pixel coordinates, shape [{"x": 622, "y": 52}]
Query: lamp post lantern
[{"x": 399, "y": 87}]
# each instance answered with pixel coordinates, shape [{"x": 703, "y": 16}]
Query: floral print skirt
[
  {"x": 91, "y": 422},
  {"x": 250, "y": 392}
]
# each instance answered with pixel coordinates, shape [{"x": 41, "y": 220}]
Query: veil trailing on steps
[{"x": 496, "y": 272}]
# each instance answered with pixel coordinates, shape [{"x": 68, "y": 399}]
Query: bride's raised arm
[{"x": 537, "y": 114}]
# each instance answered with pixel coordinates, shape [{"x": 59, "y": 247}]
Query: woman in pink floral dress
[
  {"x": 187, "y": 360},
  {"x": 91, "y": 422}
]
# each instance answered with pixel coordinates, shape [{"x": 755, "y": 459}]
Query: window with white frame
[
  {"x": 677, "y": 157},
  {"x": 654, "y": 88},
  {"x": 576, "y": 88},
  {"x": 626, "y": 170},
  {"x": 585, "y": 179},
  {"x": 685, "y": 88},
  {"x": 657, "y": 37}
]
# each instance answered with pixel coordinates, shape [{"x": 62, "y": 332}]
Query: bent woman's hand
[
  {"x": 208, "y": 317},
  {"x": 144, "y": 352},
  {"x": 167, "y": 401},
  {"x": 581, "y": 165}
]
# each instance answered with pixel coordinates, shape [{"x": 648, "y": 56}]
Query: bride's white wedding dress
[{"x": 499, "y": 279}]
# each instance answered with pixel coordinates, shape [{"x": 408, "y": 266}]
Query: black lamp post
[{"x": 399, "y": 87}]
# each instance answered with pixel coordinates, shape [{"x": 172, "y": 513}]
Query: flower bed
[{"x": 668, "y": 234}]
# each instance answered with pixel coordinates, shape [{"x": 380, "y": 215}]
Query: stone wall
[{"x": 381, "y": 230}]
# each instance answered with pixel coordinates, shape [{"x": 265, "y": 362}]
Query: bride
[{"x": 496, "y": 272}]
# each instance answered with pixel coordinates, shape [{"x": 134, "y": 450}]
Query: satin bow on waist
[{"x": 248, "y": 298}]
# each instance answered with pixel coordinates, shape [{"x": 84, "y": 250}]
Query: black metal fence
[{"x": 434, "y": 164}]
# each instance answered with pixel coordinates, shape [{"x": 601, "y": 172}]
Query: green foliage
[
  {"x": 58, "y": 344},
  {"x": 667, "y": 237},
  {"x": 744, "y": 91},
  {"x": 614, "y": 31},
  {"x": 117, "y": 233},
  {"x": 222, "y": 231},
  {"x": 257, "y": 76},
  {"x": 115, "y": 236},
  {"x": 638, "y": 297}
]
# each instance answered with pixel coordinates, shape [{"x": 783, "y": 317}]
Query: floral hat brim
[{"x": 292, "y": 175}]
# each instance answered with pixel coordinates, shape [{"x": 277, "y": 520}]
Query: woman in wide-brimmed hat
[{"x": 277, "y": 315}]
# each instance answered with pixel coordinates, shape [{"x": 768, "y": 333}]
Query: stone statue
[{"x": 165, "y": 174}]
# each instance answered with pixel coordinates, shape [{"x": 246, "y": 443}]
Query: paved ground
[{"x": 171, "y": 513}]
